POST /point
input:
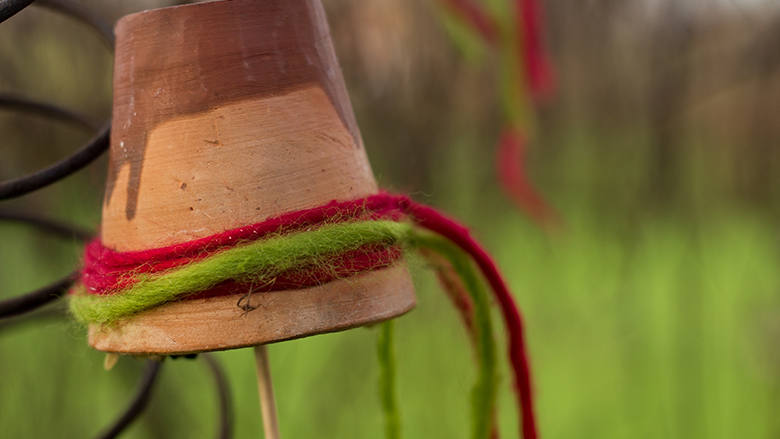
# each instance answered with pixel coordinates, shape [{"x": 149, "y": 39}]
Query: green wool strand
[
  {"x": 261, "y": 261},
  {"x": 387, "y": 394},
  {"x": 258, "y": 262},
  {"x": 484, "y": 392}
]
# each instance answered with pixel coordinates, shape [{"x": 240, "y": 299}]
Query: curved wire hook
[
  {"x": 139, "y": 402},
  {"x": 94, "y": 147},
  {"x": 47, "y": 110},
  {"x": 87, "y": 154},
  {"x": 9, "y": 8},
  {"x": 33, "y": 300},
  {"x": 36, "y": 299},
  {"x": 51, "y": 314},
  {"x": 223, "y": 392},
  {"x": 54, "y": 227}
]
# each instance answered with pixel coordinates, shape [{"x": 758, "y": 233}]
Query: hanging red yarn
[
  {"x": 106, "y": 270},
  {"x": 536, "y": 75},
  {"x": 511, "y": 168},
  {"x": 529, "y": 33},
  {"x": 433, "y": 220}
]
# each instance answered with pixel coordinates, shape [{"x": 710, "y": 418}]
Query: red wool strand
[
  {"x": 107, "y": 271},
  {"x": 538, "y": 78},
  {"x": 511, "y": 167},
  {"x": 433, "y": 220},
  {"x": 537, "y": 66}
]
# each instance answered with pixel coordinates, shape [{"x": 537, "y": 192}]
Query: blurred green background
[{"x": 654, "y": 312}]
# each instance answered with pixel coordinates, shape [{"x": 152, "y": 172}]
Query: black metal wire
[
  {"x": 55, "y": 312},
  {"x": 225, "y": 430},
  {"x": 13, "y": 102},
  {"x": 55, "y": 227},
  {"x": 39, "y": 179},
  {"x": 87, "y": 154},
  {"x": 36, "y": 299},
  {"x": 94, "y": 147},
  {"x": 139, "y": 402},
  {"x": 29, "y": 302},
  {"x": 8, "y": 8}
]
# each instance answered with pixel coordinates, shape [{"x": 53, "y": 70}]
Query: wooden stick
[{"x": 266, "y": 391}]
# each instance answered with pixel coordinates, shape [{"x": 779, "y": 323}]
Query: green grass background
[
  {"x": 663, "y": 327},
  {"x": 646, "y": 318}
]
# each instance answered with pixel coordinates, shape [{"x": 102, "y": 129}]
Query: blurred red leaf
[
  {"x": 511, "y": 166},
  {"x": 538, "y": 79},
  {"x": 539, "y": 73}
]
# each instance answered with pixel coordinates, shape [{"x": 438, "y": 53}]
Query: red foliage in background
[
  {"x": 537, "y": 78},
  {"x": 510, "y": 164},
  {"x": 529, "y": 31}
]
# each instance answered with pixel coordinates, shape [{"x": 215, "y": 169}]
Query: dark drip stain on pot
[{"x": 186, "y": 60}]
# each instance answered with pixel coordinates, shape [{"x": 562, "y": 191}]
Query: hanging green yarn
[
  {"x": 385, "y": 346},
  {"x": 272, "y": 254},
  {"x": 262, "y": 260},
  {"x": 486, "y": 387}
]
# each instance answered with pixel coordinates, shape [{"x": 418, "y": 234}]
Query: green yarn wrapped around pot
[{"x": 258, "y": 262}]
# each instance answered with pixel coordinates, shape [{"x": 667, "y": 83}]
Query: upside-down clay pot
[{"x": 225, "y": 114}]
